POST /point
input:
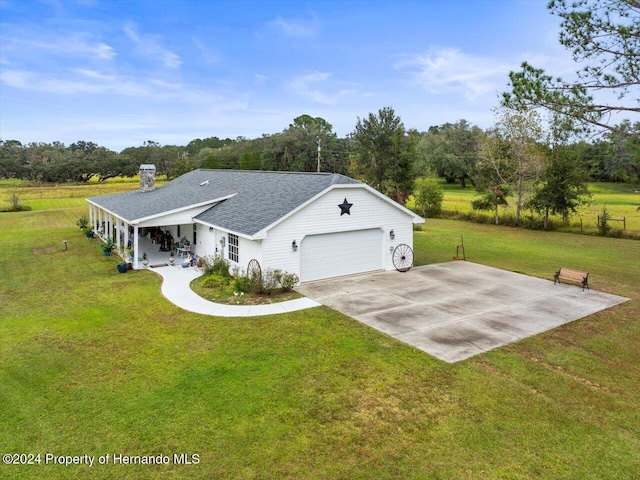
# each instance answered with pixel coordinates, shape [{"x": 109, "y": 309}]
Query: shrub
[
  {"x": 216, "y": 265},
  {"x": 603, "y": 222},
  {"x": 428, "y": 197},
  {"x": 288, "y": 281},
  {"x": 82, "y": 222},
  {"x": 481, "y": 204},
  {"x": 213, "y": 281},
  {"x": 242, "y": 283},
  {"x": 270, "y": 280}
]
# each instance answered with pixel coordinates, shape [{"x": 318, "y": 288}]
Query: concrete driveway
[{"x": 456, "y": 310}]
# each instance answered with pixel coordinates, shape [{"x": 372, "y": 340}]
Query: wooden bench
[{"x": 573, "y": 275}]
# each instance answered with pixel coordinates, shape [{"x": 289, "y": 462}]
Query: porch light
[
  {"x": 392, "y": 235},
  {"x": 294, "y": 246},
  {"x": 211, "y": 229}
]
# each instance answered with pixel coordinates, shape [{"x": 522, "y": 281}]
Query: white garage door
[{"x": 344, "y": 253}]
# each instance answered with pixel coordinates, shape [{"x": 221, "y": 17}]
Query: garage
[{"x": 343, "y": 253}]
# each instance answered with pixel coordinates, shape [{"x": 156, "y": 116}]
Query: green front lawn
[{"x": 95, "y": 362}]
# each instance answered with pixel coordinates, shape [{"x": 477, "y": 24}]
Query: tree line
[
  {"x": 380, "y": 151},
  {"x": 517, "y": 158}
]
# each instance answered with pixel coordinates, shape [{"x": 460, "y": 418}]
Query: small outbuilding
[{"x": 317, "y": 225}]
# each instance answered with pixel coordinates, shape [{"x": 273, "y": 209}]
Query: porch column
[
  {"x": 92, "y": 225},
  {"x": 135, "y": 247},
  {"x": 126, "y": 234},
  {"x": 118, "y": 222}
]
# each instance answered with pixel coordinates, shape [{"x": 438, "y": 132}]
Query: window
[{"x": 234, "y": 243}]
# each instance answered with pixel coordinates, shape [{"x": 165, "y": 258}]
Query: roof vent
[
  {"x": 206, "y": 182},
  {"x": 147, "y": 177}
]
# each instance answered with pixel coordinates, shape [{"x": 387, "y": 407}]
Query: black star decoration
[{"x": 345, "y": 207}]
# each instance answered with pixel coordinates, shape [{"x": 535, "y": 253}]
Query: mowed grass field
[
  {"x": 93, "y": 362},
  {"x": 620, "y": 199}
]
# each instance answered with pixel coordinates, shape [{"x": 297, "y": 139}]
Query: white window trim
[{"x": 233, "y": 249}]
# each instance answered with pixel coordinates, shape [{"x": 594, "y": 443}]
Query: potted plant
[
  {"x": 107, "y": 247},
  {"x": 145, "y": 259},
  {"x": 83, "y": 222},
  {"x": 127, "y": 258}
]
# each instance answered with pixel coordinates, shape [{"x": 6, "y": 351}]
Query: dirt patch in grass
[{"x": 44, "y": 250}]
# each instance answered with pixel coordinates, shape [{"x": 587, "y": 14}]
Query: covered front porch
[
  {"x": 133, "y": 241},
  {"x": 155, "y": 256}
]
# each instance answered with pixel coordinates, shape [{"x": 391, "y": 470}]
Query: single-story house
[{"x": 317, "y": 225}]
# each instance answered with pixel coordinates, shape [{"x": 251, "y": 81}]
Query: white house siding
[
  {"x": 209, "y": 244},
  {"x": 206, "y": 241},
  {"x": 323, "y": 216},
  {"x": 247, "y": 251}
]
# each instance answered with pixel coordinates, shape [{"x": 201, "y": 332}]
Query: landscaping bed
[
  {"x": 222, "y": 284},
  {"x": 223, "y": 290}
]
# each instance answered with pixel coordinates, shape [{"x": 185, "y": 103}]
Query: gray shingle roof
[{"x": 260, "y": 199}]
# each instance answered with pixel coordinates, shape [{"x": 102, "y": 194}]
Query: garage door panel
[{"x": 343, "y": 253}]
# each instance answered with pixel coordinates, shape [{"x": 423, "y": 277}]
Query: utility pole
[{"x": 319, "y": 148}]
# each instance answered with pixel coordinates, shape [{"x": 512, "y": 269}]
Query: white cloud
[
  {"x": 306, "y": 86},
  {"x": 259, "y": 79},
  {"x": 83, "y": 82},
  {"x": 303, "y": 86},
  {"x": 94, "y": 74},
  {"x": 92, "y": 82},
  {"x": 295, "y": 27},
  {"x": 448, "y": 70},
  {"x": 151, "y": 46},
  {"x": 206, "y": 55},
  {"x": 67, "y": 44}
]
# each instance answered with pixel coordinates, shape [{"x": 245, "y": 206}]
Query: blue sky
[{"x": 119, "y": 73}]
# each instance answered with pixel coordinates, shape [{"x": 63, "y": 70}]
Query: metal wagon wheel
[
  {"x": 254, "y": 272},
  {"x": 402, "y": 257}
]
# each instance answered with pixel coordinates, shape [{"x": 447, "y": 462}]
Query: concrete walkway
[{"x": 175, "y": 287}]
